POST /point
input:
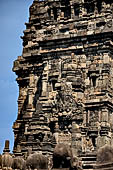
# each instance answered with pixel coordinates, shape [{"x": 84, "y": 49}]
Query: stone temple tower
[{"x": 65, "y": 78}]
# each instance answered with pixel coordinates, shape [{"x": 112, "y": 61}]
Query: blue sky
[{"x": 13, "y": 15}]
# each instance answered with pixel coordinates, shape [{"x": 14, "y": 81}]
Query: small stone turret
[
  {"x": 7, "y": 159},
  {"x": 6, "y": 148}
]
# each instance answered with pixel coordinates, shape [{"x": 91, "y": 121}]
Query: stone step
[
  {"x": 109, "y": 168},
  {"x": 88, "y": 161},
  {"x": 44, "y": 98},
  {"x": 89, "y": 158},
  {"x": 104, "y": 166},
  {"x": 86, "y": 166},
  {"x": 89, "y": 169}
]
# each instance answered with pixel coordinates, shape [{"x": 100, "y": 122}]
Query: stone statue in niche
[
  {"x": 48, "y": 137},
  {"x": 22, "y": 92},
  {"x": 56, "y": 134},
  {"x": 90, "y": 146},
  {"x": 65, "y": 99},
  {"x": 104, "y": 116},
  {"x": 93, "y": 118},
  {"x": 55, "y": 65},
  {"x": 87, "y": 145}
]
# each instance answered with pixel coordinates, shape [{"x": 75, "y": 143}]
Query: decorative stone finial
[{"x": 6, "y": 148}]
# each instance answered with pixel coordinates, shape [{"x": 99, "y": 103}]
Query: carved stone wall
[{"x": 65, "y": 77}]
